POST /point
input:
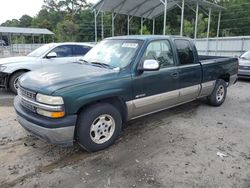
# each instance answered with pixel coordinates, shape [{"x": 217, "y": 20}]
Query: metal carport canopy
[
  {"x": 151, "y": 9},
  {"x": 147, "y": 8},
  {"x": 24, "y": 31}
]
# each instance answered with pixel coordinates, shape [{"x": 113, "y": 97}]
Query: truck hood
[
  {"x": 51, "y": 79},
  {"x": 20, "y": 59}
]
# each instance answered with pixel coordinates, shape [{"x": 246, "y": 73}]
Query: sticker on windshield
[{"x": 129, "y": 45}]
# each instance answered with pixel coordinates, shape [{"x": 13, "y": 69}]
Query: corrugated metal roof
[
  {"x": 147, "y": 8},
  {"x": 24, "y": 31}
]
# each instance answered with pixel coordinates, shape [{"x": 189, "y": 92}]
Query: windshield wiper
[{"x": 104, "y": 65}]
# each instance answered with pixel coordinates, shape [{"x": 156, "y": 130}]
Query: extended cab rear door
[
  {"x": 155, "y": 90},
  {"x": 189, "y": 70}
]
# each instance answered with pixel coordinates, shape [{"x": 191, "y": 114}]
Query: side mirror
[
  {"x": 150, "y": 65},
  {"x": 51, "y": 55}
]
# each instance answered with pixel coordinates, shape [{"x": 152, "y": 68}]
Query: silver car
[
  {"x": 52, "y": 54},
  {"x": 244, "y": 65}
]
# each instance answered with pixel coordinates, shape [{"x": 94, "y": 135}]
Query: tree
[
  {"x": 67, "y": 31},
  {"x": 25, "y": 21}
]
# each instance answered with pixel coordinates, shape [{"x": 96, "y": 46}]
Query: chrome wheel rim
[
  {"x": 102, "y": 129},
  {"x": 220, "y": 93},
  {"x": 16, "y": 83}
]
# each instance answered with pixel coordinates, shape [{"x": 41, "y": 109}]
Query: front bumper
[
  {"x": 4, "y": 79},
  {"x": 56, "y": 131},
  {"x": 244, "y": 73}
]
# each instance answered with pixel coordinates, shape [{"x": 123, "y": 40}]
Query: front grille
[
  {"x": 244, "y": 67},
  {"x": 26, "y": 94},
  {"x": 29, "y": 95}
]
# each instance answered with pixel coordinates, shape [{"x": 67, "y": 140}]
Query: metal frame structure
[
  {"x": 11, "y": 32},
  {"x": 152, "y": 9}
]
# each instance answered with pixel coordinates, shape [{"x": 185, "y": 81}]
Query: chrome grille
[{"x": 27, "y": 94}]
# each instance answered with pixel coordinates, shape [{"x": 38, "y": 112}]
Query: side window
[
  {"x": 80, "y": 50},
  {"x": 161, "y": 51},
  {"x": 63, "y": 51},
  {"x": 185, "y": 52}
]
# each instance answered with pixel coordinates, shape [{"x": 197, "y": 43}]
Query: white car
[{"x": 50, "y": 54}]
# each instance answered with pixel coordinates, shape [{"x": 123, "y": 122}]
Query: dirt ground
[{"x": 173, "y": 148}]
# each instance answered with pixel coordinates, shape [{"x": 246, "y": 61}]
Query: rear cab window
[{"x": 185, "y": 52}]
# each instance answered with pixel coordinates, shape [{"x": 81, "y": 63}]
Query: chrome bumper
[
  {"x": 56, "y": 131},
  {"x": 59, "y": 136}
]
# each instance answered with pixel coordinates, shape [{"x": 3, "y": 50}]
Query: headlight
[
  {"x": 2, "y": 68},
  {"x": 49, "y": 99}
]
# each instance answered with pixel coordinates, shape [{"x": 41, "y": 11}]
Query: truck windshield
[
  {"x": 41, "y": 51},
  {"x": 115, "y": 53}
]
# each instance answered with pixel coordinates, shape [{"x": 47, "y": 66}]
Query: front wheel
[
  {"x": 98, "y": 127},
  {"x": 219, "y": 94},
  {"x": 13, "y": 82}
]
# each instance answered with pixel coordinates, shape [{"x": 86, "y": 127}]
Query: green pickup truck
[{"x": 120, "y": 79}]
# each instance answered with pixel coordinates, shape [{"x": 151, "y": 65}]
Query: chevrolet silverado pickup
[{"x": 120, "y": 79}]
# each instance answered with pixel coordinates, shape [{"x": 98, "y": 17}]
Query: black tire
[
  {"x": 91, "y": 116},
  {"x": 13, "y": 79},
  {"x": 217, "y": 98}
]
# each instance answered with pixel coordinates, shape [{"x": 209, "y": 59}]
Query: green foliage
[
  {"x": 145, "y": 30},
  {"x": 67, "y": 31}
]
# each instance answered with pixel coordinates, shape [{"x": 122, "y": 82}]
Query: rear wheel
[
  {"x": 219, "y": 94},
  {"x": 98, "y": 127},
  {"x": 13, "y": 83}
]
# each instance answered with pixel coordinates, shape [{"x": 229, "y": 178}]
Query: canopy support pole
[
  {"x": 208, "y": 29},
  {"x": 153, "y": 26},
  {"x": 196, "y": 21},
  {"x": 128, "y": 25},
  {"x": 96, "y": 26},
  {"x": 182, "y": 16},
  {"x": 218, "y": 32},
  {"x": 218, "y": 28},
  {"x": 165, "y": 2},
  {"x": 142, "y": 25},
  {"x": 102, "y": 26},
  {"x": 113, "y": 23},
  {"x": 96, "y": 13}
]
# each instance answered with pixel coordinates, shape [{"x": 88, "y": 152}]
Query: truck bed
[{"x": 213, "y": 66}]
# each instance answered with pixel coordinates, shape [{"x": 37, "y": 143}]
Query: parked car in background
[
  {"x": 244, "y": 65},
  {"x": 48, "y": 55},
  {"x": 2, "y": 43},
  {"x": 120, "y": 79}
]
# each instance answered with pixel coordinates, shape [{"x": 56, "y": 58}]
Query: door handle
[{"x": 175, "y": 74}]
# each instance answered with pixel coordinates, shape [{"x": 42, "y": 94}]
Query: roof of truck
[{"x": 144, "y": 37}]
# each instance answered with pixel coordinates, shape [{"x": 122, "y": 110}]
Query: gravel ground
[{"x": 173, "y": 148}]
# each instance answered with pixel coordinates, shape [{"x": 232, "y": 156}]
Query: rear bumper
[
  {"x": 55, "y": 131},
  {"x": 4, "y": 79},
  {"x": 244, "y": 73}
]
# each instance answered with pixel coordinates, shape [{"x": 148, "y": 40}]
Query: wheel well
[
  {"x": 118, "y": 103},
  {"x": 225, "y": 77},
  {"x": 20, "y": 70}
]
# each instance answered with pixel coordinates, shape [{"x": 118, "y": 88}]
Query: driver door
[{"x": 156, "y": 90}]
